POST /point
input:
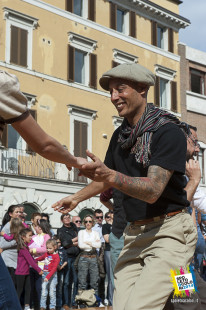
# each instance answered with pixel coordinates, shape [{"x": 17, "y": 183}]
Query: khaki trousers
[{"x": 142, "y": 273}]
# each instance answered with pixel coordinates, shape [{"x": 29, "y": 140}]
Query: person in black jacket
[{"x": 69, "y": 240}]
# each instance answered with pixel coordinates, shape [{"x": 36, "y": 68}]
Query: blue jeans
[
  {"x": 70, "y": 269},
  {"x": 8, "y": 295},
  {"x": 60, "y": 280},
  {"x": 48, "y": 287}
]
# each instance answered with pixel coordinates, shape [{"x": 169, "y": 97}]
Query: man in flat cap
[{"x": 146, "y": 161}]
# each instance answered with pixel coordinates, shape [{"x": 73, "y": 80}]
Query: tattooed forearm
[{"x": 149, "y": 188}]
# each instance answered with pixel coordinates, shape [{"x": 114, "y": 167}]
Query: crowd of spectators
[{"x": 48, "y": 269}]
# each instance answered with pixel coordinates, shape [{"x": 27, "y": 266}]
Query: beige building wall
[{"x": 47, "y": 79}]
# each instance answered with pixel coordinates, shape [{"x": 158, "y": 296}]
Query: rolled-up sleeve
[{"x": 13, "y": 103}]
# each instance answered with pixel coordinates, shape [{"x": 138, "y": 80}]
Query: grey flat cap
[{"x": 132, "y": 72}]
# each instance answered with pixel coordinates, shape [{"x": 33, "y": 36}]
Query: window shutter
[
  {"x": 174, "y": 96},
  {"x": 154, "y": 33},
  {"x": 69, "y": 6},
  {"x": 92, "y": 10},
  {"x": 80, "y": 146},
  {"x": 170, "y": 40},
  {"x": 34, "y": 115},
  {"x": 132, "y": 31},
  {"x": 23, "y": 47},
  {"x": 14, "y": 45},
  {"x": 114, "y": 63},
  {"x": 113, "y": 16},
  {"x": 93, "y": 71},
  {"x": 4, "y": 139},
  {"x": 18, "y": 52},
  {"x": 70, "y": 63},
  {"x": 157, "y": 91}
]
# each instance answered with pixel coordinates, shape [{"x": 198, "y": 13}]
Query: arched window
[{"x": 30, "y": 208}]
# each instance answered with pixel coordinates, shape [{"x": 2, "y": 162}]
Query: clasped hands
[{"x": 95, "y": 170}]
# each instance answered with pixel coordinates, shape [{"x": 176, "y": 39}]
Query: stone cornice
[{"x": 158, "y": 13}]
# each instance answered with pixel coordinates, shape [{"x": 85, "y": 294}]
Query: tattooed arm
[{"x": 148, "y": 189}]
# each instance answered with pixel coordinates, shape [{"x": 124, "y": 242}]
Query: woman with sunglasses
[{"x": 88, "y": 242}]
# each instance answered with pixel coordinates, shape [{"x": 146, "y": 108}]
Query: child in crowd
[
  {"x": 37, "y": 247},
  {"x": 49, "y": 280},
  {"x": 35, "y": 218},
  {"x": 60, "y": 272},
  {"x": 15, "y": 228},
  {"x": 23, "y": 262}
]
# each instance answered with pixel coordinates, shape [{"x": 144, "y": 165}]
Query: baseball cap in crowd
[{"x": 132, "y": 72}]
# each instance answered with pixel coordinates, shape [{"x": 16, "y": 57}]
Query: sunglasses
[
  {"x": 107, "y": 217},
  {"x": 78, "y": 221},
  {"x": 87, "y": 222},
  {"x": 194, "y": 141},
  {"x": 99, "y": 217}
]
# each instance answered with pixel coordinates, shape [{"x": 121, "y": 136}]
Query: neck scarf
[{"x": 138, "y": 138}]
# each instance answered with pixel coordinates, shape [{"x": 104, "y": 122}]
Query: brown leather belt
[
  {"x": 156, "y": 218},
  {"x": 89, "y": 256}
]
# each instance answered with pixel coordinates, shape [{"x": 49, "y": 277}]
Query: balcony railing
[{"x": 19, "y": 162}]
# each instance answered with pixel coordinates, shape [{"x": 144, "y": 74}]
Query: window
[
  {"x": 84, "y": 8},
  {"x": 122, "y": 20},
  {"x": 197, "y": 81},
  {"x": 78, "y": 7},
  {"x": 79, "y": 71},
  {"x": 162, "y": 37},
  {"x": 82, "y": 63},
  {"x": 81, "y": 135},
  {"x": 165, "y": 88},
  {"x": 163, "y": 93},
  {"x": 19, "y": 32}
]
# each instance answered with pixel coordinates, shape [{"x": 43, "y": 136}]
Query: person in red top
[
  {"x": 24, "y": 261},
  {"x": 49, "y": 279}
]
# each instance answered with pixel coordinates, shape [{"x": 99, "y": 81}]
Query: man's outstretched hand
[
  {"x": 65, "y": 205},
  {"x": 97, "y": 170},
  {"x": 79, "y": 161}
]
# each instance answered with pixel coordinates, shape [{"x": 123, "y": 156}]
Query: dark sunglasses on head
[
  {"x": 99, "y": 217},
  {"x": 107, "y": 217},
  {"x": 87, "y": 222},
  {"x": 78, "y": 221}
]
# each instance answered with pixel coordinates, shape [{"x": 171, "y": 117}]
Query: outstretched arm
[
  {"x": 43, "y": 144},
  {"x": 148, "y": 188},
  {"x": 69, "y": 203}
]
